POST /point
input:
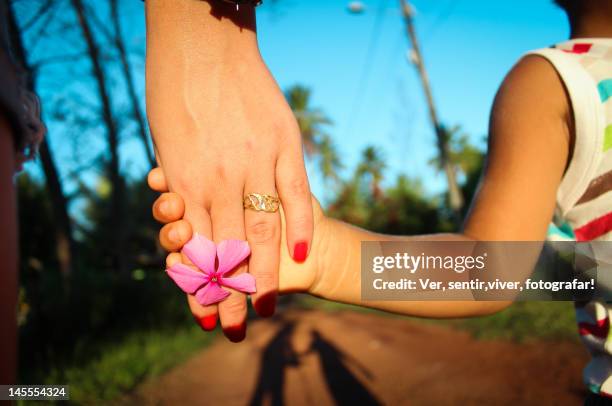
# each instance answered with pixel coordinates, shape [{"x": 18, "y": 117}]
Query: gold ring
[{"x": 260, "y": 202}]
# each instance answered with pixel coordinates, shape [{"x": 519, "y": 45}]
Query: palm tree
[
  {"x": 310, "y": 120},
  {"x": 329, "y": 162},
  {"x": 462, "y": 155}
]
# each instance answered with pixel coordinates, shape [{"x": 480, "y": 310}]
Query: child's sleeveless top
[{"x": 584, "y": 197}]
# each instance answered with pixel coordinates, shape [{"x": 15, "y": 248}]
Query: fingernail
[
  {"x": 266, "y": 305},
  {"x": 300, "y": 251},
  {"x": 235, "y": 333},
  {"x": 208, "y": 322}
]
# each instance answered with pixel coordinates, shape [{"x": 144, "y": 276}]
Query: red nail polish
[
  {"x": 208, "y": 322},
  {"x": 266, "y": 305},
  {"x": 235, "y": 333},
  {"x": 300, "y": 251}
]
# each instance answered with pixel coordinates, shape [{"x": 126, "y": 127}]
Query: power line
[
  {"x": 440, "y": 20},
  {"x": 365, "y": 72},
  {"x": 454, "y": 192}
]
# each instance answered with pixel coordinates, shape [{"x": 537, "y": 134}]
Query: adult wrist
[{"x": 211, "y": 31}]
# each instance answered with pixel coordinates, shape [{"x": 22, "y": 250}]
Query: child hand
[{"x": 168, "y": 209}]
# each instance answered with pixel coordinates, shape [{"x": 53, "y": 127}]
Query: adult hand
[
  {"x": 222, "y": 129},
  {"x": 294, "y": 277}
]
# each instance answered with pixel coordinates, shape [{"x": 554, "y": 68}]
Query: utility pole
[{"x": 455, "y": 196}]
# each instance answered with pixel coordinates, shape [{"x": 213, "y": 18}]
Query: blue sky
[{"x": 357, "y": 68}]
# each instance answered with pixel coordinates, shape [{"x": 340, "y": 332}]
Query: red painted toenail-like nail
[
  {"x": 235, "y": 333},
  {"x": 208, "y": 322},
  {"x": 300, "y": 251},
  {"x": 266, "y": 305}
]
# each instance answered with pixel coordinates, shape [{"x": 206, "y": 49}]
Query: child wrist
[{"x": 327, "y": 252}]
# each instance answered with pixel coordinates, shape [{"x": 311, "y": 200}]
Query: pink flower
[{"x": 206, "y": 285}]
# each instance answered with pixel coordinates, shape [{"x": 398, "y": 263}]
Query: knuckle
[
  {"x": 262, "y": 231},
  {"x": 300, "y": 221},
  {"x": 249, "y": 146},
  {"x": 266, "y": 277},
  {"x": 298, "y": 186},
  {"x": 181, "y": 184},
  {"x": 184, "y": 191},
  {"x": 220, "y": 172},
  {"x": 235, "y": 306},
  {"x": 288, "y": 125}
]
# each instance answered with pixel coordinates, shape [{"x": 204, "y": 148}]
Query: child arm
[{"x": 530, "y": 141}]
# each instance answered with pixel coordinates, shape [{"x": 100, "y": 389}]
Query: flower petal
[
  {"x": 186, "y": 278},
  {"x": 230, "y": 253},
  {"x": 245, "y": 282},
  {"x": 202, "y": 252},
  {"x": 211, "y": 293}
]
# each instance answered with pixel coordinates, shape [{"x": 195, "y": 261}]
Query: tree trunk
[
  {"x": 117, "y": 214},
  {"x": 455, "y": 196},
  {"x": 129, "y": 80},
  {"x": 65, "y": 248}
]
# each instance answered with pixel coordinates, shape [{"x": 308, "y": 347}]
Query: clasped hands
[
  {"x": 191, "y": 268},
  {"x": 222, "y": 129}
]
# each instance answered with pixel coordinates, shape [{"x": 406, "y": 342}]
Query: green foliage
[
  {"x": 467, "y": 160},
  {"x": 329, "y": 162},
  {"x": 522, "y": 321},
  {"x": 121, "y": 366},
  {"x": 36, "y": 237},
  {"x": 312, "y": 122},
  {"x": 400, "y": 209},
  {"x": 101, "y": 331},
  {"x": 68, "y": 324},
  {"x": 141, "y": 248},
  {"x": 463, "y": 155}
]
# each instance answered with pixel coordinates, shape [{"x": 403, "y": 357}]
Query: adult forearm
[{"x": 195, "y": 50}]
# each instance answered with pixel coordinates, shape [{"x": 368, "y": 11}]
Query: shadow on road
[{"x": 279, "y": 354}]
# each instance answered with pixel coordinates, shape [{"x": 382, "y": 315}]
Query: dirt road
[{"x": 320, "y": 358}]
